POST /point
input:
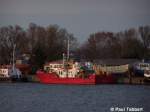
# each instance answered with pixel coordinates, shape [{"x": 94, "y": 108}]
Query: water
[{"x": 34, "y": 97}]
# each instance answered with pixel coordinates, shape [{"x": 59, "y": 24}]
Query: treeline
[
  {"x": 49, "y": 43},
  {"x": 42, "y": 43},
  {"x": 132, "y": 43}
]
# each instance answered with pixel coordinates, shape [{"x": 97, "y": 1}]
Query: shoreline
[{"x": 119, "y": 81}]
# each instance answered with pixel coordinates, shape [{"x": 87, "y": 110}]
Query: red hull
[{"x": 48, "y": 78}]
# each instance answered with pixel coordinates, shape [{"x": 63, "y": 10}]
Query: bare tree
[
  {"x": 9, "y": 36},
  {"x": 145, "y": 36},
  {"x": 131, "y": 45}
]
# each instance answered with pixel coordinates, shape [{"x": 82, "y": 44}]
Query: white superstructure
[
  {"x": 71, "y": 70},
  {"x": 4, "y": 73}
]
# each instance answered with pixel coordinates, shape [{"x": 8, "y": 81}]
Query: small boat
[
  {"x": 147, "y": 73},
  {"x": 12, "y": 72},
  {"x": 140, "y": 68},
  {"x": 147, "y": 76},
  {"x": 4, "y": 76},
  {"x": 15, "y": 74}
]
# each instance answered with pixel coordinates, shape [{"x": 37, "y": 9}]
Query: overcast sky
[{"x": 80, "y": 17}]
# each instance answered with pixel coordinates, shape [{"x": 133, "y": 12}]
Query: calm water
[{"x": 33, "y": 97}]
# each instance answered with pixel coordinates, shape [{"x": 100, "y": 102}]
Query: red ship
[
  {"x": 67, "y": 71},
  {"x": 70, "y": 72},
  {"x": 52, "y": 78}
]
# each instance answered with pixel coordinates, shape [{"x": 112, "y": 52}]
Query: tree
[
  {"x": 43, "y": 43},
  {"x": 131, "y": 45},
  {"x": 144, "y": 32},
  {"x": 49, "y": 42},
  {"x": 98, "y": 46},
  {"x": 39, "y": 56},
  {"x": 8, "y": 37},
  {"x": 112, "y": 45}
]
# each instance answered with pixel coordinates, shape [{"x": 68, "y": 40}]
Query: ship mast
[
  {"x": 63, "y": 60},
  {"x": 68, "y": 53},
  {"x": 67, "y": 56},
  {"x": 13, "y": 64}
]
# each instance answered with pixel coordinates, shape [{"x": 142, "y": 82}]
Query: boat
[
  {"x": 4, "y": 76},
  {"x": 140, "y": 68},
  {"x": 60, "y": 72},
  {"x": 9, "y": 72},
  {"x": 68, "y": 71},
  {"x": 52, "y": 78},
  {"x": 73, "y": 73},
  {"x": 116, "y": 72},
  {"x": 12, "y": 71},
  {"x": 147, "y": 73},
  {"x": 111, "y": 69},
  {"x": 15, "y": 74}
]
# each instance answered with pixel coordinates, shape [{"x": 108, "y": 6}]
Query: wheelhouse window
[{"x": 47, "y": 69}]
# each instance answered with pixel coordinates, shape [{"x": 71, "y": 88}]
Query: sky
[{"x": 80, "y": 17}]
